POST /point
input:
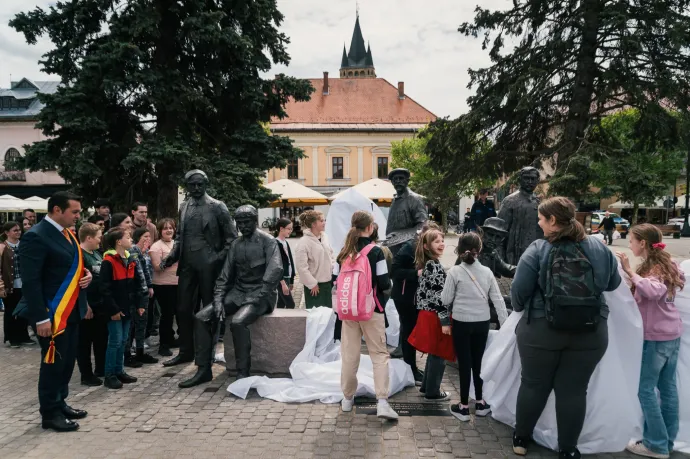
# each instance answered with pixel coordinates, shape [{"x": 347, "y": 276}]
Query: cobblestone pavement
[{"x": 155, "y": 419}]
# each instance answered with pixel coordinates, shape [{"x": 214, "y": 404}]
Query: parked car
[{"x": 622, "y": 225}]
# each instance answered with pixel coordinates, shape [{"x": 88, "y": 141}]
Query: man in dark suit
[
  {"x": 202, "y": 242},
  {"x": 55, "y": 302}
]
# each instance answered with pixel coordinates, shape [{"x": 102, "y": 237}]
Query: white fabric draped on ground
[
  {"x": 613, "y": 416},
  {"x": 316, "y": 370}
]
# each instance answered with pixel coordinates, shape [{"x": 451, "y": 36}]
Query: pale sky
[{"x": 411, "y": 41}]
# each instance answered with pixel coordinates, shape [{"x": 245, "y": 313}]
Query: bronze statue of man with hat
[
  {"x": 202, "y": 241},
  {"x": 407, "y": 213},
  {"x": 494, "y": 235}
]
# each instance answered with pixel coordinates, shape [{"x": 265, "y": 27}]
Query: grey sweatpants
[{"x": 558, "y": 361}]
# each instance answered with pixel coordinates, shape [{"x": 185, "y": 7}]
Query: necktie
[{"x": 67, "y": 236}]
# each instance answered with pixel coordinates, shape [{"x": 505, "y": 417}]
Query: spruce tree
[
  {"x": 557, "y": 68},
  {"x": 152, "y": 88}
]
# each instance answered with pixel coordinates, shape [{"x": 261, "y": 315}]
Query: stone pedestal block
[{"x": 277, "y": 338}]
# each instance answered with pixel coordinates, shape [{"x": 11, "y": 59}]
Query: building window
[
  {"x": 11, "y": 157},
  {"x": 292, "y": 169},
  {"x": 382, "y": 167},
  {"x": 337, "y": 167}
]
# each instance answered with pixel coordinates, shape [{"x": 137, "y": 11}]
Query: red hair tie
[{"x": 659, "y": 245}]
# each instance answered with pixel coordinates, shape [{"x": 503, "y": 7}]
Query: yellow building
[{"x": 347, "y": 127}]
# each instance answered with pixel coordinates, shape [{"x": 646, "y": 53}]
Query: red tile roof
[{"x": 356, "y": 101}]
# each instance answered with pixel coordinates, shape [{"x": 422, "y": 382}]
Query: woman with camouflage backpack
[{"x": 563, "y": 334}]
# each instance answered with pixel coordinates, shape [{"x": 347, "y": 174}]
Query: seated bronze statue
[{"x": 245, "y": 290}]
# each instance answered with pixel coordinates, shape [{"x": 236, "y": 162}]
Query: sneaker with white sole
[
  {"x": 641, "y": 450},
  {"x": 347, "y": 404},
  {"x": 482, "y": 409},
  {"x": 384, "y": 411},
  {"x": 461, "y": 413}
]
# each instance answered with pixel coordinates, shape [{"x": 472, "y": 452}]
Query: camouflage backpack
[{"x": 571, "y": 300}]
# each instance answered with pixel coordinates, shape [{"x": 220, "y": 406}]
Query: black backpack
[{"x": 571, "y": 299}]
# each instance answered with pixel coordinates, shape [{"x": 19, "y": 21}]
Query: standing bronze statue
[
  {"x": 245, "y": 290},
  {"x": 203, "y": 239},
  {"x": 519, "y": 211},
  {"x": 407, "y": 213}
]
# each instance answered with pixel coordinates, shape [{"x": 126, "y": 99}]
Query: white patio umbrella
[
  {"x": 37, "y": 204},
  {"x": 11, "y": 204},
  {"x": 380, "y": 191},
  {"x": 293, "y": 194}
]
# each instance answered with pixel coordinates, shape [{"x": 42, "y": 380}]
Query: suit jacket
[
  {"x": 219, "y": 229},
  {"x": 45, "y": 257}
]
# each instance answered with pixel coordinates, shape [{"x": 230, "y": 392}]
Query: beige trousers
[{"x": 374, "y": 331}]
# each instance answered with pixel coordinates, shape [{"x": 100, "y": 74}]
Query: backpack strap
[{"x": 364, "y": 252}]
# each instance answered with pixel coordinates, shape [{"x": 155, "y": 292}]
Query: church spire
[{"x": 358, "y": 63}]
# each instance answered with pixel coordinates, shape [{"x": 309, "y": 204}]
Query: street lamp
[{"x": 685, "y": 232}]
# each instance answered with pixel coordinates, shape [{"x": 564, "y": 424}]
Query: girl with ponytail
[
  {"x": 374, "y": 329},
  {"x": 466, "y": 294},
  {"x": 314, "y": 260},
  {"x": 654, "y": 285}
]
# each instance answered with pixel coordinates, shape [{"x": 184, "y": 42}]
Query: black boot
[
  {"x": 131, "y": 362},
  {"x": 145, "y": 358},
  {"x": 178, "y": 360},
  {"x": 203, "y": 375}
]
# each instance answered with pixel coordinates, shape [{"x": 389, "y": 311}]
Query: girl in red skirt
[{"x": 427, "y": 336}]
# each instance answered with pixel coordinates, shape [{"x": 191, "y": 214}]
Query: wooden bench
[
  {"x": 668, "y": 230},
  {"x": 277, "y": 338}
]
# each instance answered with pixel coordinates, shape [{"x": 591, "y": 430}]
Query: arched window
[
  {"x": 350, "y": 73},
  {"x": 11, "y": 157}
]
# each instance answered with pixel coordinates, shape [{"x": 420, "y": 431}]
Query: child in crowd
[
  {"x": 93, "y": 330},
  {"x": 359, "y": 239},
  {"x": 140, "y": 253},
  {"x": 122, "y": 288},
  {"x": 654, "y": 286},
  {"x": 427, "y": 335},
  {"x": 466, "y": 293}
]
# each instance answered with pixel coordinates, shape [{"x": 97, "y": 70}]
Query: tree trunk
[
  {"x": 636, "y": 208},
  {"x": 167, "y": 194},
  {"x": 583, "y": 85}
]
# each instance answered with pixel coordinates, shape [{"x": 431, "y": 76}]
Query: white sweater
[
  {"x": 314, "y": 259},
  {"x": 462, "y": 296}
]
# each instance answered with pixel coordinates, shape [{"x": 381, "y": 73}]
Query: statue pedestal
[{"x": 277, "y": 338}]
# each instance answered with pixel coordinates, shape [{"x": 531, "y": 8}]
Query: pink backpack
[{"x": 354, "y": 298}]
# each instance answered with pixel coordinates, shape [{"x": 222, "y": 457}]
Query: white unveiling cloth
[
  {"x": 339, "y": 218},
  {"x": 614, "y": 416},
  {"x": 316, "y": 370}
]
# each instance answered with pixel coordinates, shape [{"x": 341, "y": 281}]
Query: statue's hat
[
  {"x": 496, "y": 224},
  {"x": 398, "y": 171}
]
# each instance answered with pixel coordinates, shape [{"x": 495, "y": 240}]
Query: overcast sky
[{"x": 412, "y": 41}]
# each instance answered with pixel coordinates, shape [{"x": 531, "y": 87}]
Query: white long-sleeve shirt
[{"x": 464, "y": 300}]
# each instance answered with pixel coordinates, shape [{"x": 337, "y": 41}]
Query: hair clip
[{"x": 659, "y": 245}]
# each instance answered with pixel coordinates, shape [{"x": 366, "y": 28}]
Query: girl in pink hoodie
[{"x": 654, "y": 286}]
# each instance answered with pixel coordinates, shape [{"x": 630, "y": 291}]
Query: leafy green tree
[
  {"x": 558, "y": 67},
  {"x": 152, "y": 88},
  {"x": 412, "y": 154},
  {"x": 640, "y": 164}
]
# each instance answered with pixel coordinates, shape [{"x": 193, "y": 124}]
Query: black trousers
[
  {"x": 93, "y": 333},
  {"x": 559, "y": 361},
  {"x": 53, "y": 378},
  {"x": 166, "y": 296},
  {"x": 195, "y": 288},
  {"x": 469, "y": 341},
  {"x": 153, "y": 315},
  {"x": 408, "y": 319},
  {"x": 285, "y": 301},
  {"x": 14, "y": 328}
]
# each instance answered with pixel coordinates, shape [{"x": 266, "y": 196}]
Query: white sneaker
[
  {"x": 347, "y": 404},
  {"x": 384, "y": 411},
  {"x": 641, "y": 450}
]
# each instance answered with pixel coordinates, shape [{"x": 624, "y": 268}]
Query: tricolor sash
[{"x": 66, "y": 297}]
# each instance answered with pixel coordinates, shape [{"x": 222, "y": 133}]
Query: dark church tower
[{"x": 358, "y": 63}]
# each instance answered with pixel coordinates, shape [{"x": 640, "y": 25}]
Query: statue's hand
[
  {"x": 164, "y": 264},
  {"x": 219, "y": 310}
]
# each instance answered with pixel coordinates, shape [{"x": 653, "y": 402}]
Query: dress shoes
[
  {"x": 92, "y": 381},
  {"x": 124, "y": 378},
  {"x": 60, "y": 424},
  {"x": 164, "y": 352},
  {"x": 71, "y": 413},
  {"x": 203, "y": 375},
  {"x": 177, "y": 360}
]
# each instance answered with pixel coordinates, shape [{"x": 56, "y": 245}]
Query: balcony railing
[{"x": 12, "y": 176}]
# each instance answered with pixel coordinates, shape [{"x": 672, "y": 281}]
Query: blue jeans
[
  {"x": 659, "y": 362},
  {"x": 118, "y": 332}
]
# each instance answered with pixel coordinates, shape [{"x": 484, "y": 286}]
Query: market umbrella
[
  {"x": 293, "y": 194},
  {"x": 379, "y": 191},
  {"x": 37, "y": 204},
  {"x": 11, "y": 204}
]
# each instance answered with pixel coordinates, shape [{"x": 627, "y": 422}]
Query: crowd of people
[{"x": 132, "y": 295}]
